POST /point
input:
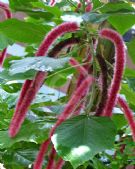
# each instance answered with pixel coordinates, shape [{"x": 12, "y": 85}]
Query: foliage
[{"x": 83, "y": 141}]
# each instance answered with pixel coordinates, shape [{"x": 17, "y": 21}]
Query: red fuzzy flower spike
[
  {"x": 19, "y": 117},
  {"x": 51, "y": 162},
  {"x": 52, "y": 2},
  {"x": 89, "y": 7},
  {"x": 54, "y": 34},
  {"x": 59, "y": 164},
  {"x": 6, "y": 9},
  {"x": 128, "y": 114},
  {"x": 77, "y": 95},
  {"x": 40, "y": 156},
  {"x": 27, "y": 96},
  {"x": 8, "y": 15},
  {"x": 114, "y": 37}
]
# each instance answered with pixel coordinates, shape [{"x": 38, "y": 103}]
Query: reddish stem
[
  {"x": 59, "y": 164},
  {"x": 51, "y": 162},
  {"x": 114, "y": 37},
  {"x": 40, "y": 157},
  {"x": 128, "y": 114},
  {"x": 8, "y": 15}
]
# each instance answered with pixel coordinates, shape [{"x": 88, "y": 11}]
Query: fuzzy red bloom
[
  {"x": 54, "y": 34},
  {"x": 23, "y": 93},
  {"x": 71, "y": 105},
  {"x": 8, "y": 15},
  {"x": 114, "y": 37},
  {"x": 40, "y": 156},
  {"x": 51, "y": 162},
  {"x": 19, "y": 116},
  {"x": 128, "y": 114},
  {"x": 52, "y": 2},
  {"x": 59, "y": 164},
  {"x": 6, "y": 9},
  {"x": 89, "y": 7},
  {"x": 3, "y": 56},
  {"x": 33, "y": 86}
]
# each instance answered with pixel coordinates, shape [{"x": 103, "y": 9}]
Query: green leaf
[
  {"x": 52, "y": 9},
  {"x": 129, "y": 73},
  {"x": 4, "y": 41},
  {"x": 119, "y": 120},
  {"x": 30, "y": 132},
  {"x": 6, "y": 76},
  {"x": 96, "y": 3},
  {"x": 22, "y": 154},
  {"x": 85, "y": 137},
  {"x": 131, "y": 83},
  {"x": 22, "y": 31},
  {"x": 131, "y": 50},
  {"x": 116, "y": 7},
  {"x": 130, "y": 95},
  {"x": 94, "y": 17},
  {"x": 118, "y": 21},
  {"x": 37, "y": 63}
]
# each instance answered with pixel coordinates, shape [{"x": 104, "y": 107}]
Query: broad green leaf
[
  {"x": 119, "y": 120},
  {"x": 37, "y": 63},
  {"x": 22, "y": 153},
  {"x": 129, "y": 73},
  {"x": 116, "y": 7},
  {"x": 60, "y": 77},
  {"x": 4, "y": 41},
  {"x": 85, "y": 137},
  {"x": 94, "y": 17},
  {"x": 6, "y": 76},
  {"x": 131, "y": 83},
  {"x": 130, "y": 95},
  {"x": 96, "y": 3},
  {"x": 52, "y": 9},
  {"x": 131, "y": 49},
  {"x": 22, "y": 31},
  {"x": 118, "y": 21},
  {"x": 30, "y": 132}
]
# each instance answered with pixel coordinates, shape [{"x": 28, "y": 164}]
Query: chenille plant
[{"x": 70, "y": 97}]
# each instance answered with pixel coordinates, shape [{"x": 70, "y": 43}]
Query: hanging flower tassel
[
  {"x": 59, "y": 164},
  {"x": 77, "y": 95},
  {"x": 40, "y": 156},
  {"x": 8, "y": 15},
  {"x": 128, "y": 114},
  {"x": 29, "y": 94},
  {"x": 51, "y": 162},
  {"x": 120, "y": 54}
]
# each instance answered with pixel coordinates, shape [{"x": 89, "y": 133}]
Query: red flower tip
[
  {"x": 6, "y": 9},
  {"x": 128, "y": 114},
  {"x": 89, "y": 7},
  {"x": 52, "y": 2},
  {"x": 8, "y": 15},
  {"x": 120, "y": 57}
]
